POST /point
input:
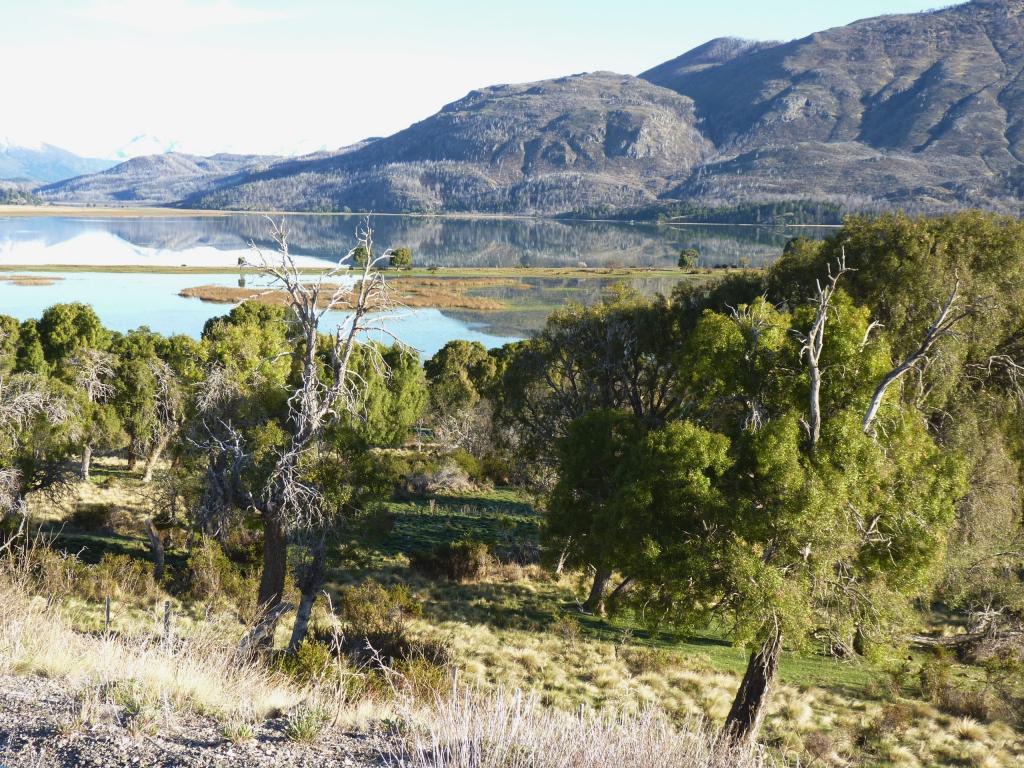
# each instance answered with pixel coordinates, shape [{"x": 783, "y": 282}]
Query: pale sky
[{"x": 282, "y": 77}]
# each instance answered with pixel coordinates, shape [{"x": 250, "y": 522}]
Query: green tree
[
  {"x": 69, "y": 329},
  {"x": 361, "y": 255},
  {"x": 621, "y": 488},
  {"x": 824, "y": 529},
  {"x": 30, "y": 357},
  {"x": 458, "y": 374},
  {"x": 689, "y": 258},
  {"x": 9, "y": 335},
  {"x": 401, "y": 258}
]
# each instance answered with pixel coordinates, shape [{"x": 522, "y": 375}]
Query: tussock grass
[
  {"x": 199, "y": 672},
  {"x": 467, "y": 728}
]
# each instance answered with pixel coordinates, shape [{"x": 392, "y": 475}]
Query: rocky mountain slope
[
  {"x": 43, "y": 163},
  {"x": 920, "y": 111},
  {"x": 588, "y": 141},
  {"x": 920, "y": 108},
  {"x": 152, "y": 179}
]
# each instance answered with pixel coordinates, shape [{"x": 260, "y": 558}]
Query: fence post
[
  {"x": 106, "y": 622},
  {"x": 167, "y": 622}
]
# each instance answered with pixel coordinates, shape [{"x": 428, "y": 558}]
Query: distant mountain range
[
  {"x": 43, "y": 162},
  {"x": 922, "y": 111}
]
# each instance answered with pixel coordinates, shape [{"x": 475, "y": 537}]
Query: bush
[
  {"x": 568, "y": 629},
  {"x": 117, "y": 576},
  {"x": 464, "y": 560},
  {"x": 378, "y": 523},
  {"x": 306, "y": 723},
  {"x": 212, "y": 576},
  {"x": 496, "y": 468},
  {"x": 893, "y": 719},
  {"x": 313, "y": 662},
  {"x": 375, "y": 621},
  {"x": 93, "y": 517},
  {"x": 469, "y": 464}
]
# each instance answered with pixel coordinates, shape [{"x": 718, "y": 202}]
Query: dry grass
[
  {"x": 29, "y": 280},
  {"x": 500, "y": 635},
  {"x": 406, "y": 292},
  {"x": 198, "y": 671},
  {"x": 467, "y": 728}
]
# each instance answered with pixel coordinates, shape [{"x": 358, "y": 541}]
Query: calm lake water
[{"x": 128, "y": 300}]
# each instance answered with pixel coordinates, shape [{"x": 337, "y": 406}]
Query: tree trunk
[
  {"x": 154, "y": 457},
  {"x": 157, "y": 545},
  {"x": 595, "y": 601},
  {"x": 624, "y": 586},
  {"x": 86, "y": 462},
  {"x": 746, "y": 716},
  {"x": 310, "y": 580},
  {"x": 275, "y": 562},
  {"x": 858, "y": 640}
]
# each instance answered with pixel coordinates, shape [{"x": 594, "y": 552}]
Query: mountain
[
  {"x": 926, "y": 109},
  {"x": 43, "y": 162},
  {"x": 920, "y": 111},
  {"x": 152, "y": 180},
  {"x": 587, "y": 142},
  {"x": 144, "y": 144}
]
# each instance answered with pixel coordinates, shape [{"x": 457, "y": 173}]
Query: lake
[{"x": 128, "y": 299}]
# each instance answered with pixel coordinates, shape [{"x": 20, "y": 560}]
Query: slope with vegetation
[
  {"x": 773, "y": 518},
  {"x": 918, "y": 112}
]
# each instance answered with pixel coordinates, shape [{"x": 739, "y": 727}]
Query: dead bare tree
[
  {"x": 169, "y": 413},
  {"x": 949, "y": 315},
  {"x": 288, "y": 499},
  {"x": 94, "y": 371},
  {"x": 23, "y": 397},
  {"x": 814, "y": 341}
]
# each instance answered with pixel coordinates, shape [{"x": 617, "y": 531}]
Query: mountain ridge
[
  {"x": 923, "y": 110},
  {"x": 41, "y": 162}
]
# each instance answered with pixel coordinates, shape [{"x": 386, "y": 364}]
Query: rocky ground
[{"x": 40, "y": 725}]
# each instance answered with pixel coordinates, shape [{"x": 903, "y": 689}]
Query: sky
[{"x": 204, "y": 76}]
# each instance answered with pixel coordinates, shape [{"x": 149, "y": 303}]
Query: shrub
[
  {"x": 378, "y": 523},
  {"x": 893, "y": 719},
  {"x": 967, "y": 703},
  {"x": 238, "y": 731},
  {"x": 212, "y": 576},
  {"x": 313, "y": 662},
  {"x": 640, "y": 660},
  {"x": 52, "y": 572},
  {"x": 464, "y": 560},
  {"x": 469, "y": 464},
  {"x": 568, "y": 629},
  {"x": 375, "y": 621},
  {"x": 424, "y": 678},
  {"x": 117, "y": 576},
  {"x": 496, "y": 468},
  {"x": 93, "y": 517},
  {"x": 305, "y": 723}
]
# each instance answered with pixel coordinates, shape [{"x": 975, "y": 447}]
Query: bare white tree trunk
[
  {"x": 814, "y": 342},
  {"x": 942, "y": 326},
  {"x": 154, "y": 456},
  {"x": 86, "y": 462}
]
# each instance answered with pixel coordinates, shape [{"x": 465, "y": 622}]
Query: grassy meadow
[{"x": 512, "y": 624}]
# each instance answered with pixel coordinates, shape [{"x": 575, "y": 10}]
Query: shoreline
[
  {"x": 142, "y": 211},
  {"x": 606, "y": 273}
]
